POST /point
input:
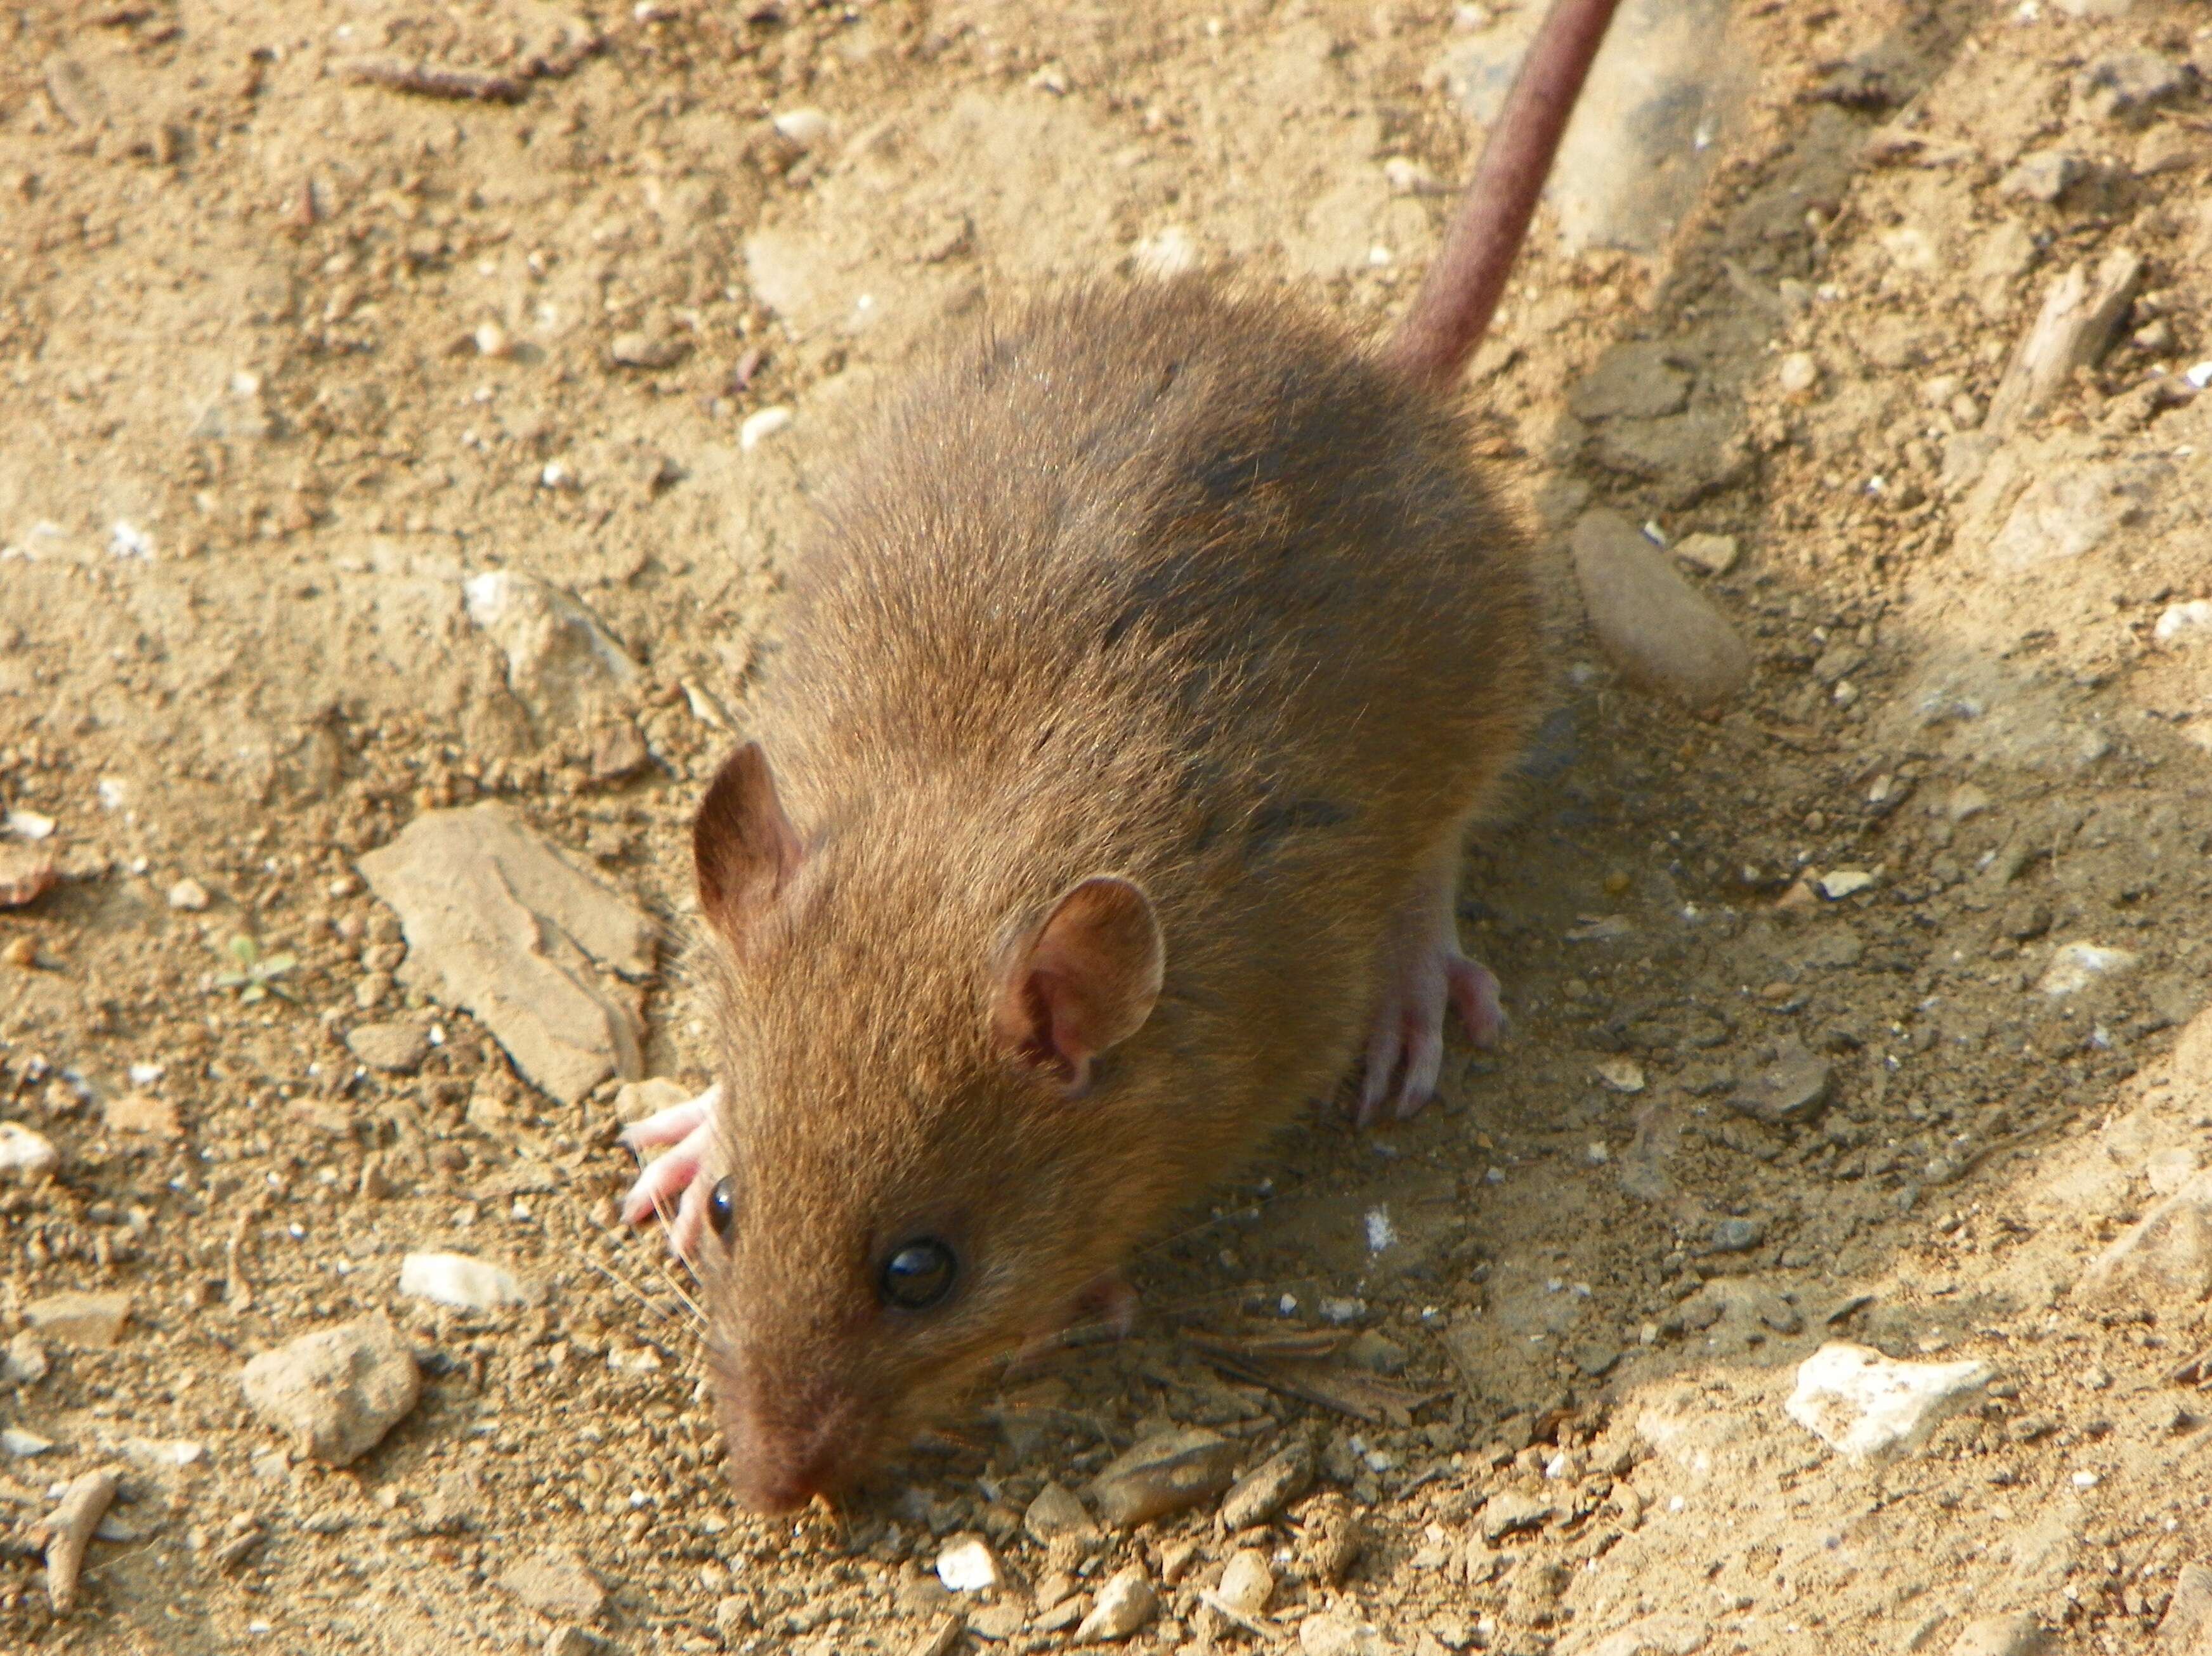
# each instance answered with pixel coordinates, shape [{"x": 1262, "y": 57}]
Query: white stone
[
  {"x": 457, "y": 1280},
  {"x": 967, "y": 1564},
  {"x": 15, "y": 1440},
  {"x": 1867, "y": 1407},
  {"x": 2075, "y": 966},
  {"x": 1125, "y": 1603},
  {"x": 1622, "y": 1075},
  {"x": 803, "y": 127},
  {"x": 189, "y": 895},
  {"x": 1845, "y": 883},
  {"x": 25, "y": 1154},
  {"x": 758, "y": 427},
  {"x": 2190, "y": 622},
  {"x": 1167, "y": 252}
]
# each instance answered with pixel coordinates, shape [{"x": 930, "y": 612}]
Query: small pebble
[
  {"x": 1247, "y": 1584},
  {"x": 15, "y": 1440},
  {"x": 759, "y": 427},
  {"x": 491, "y": 340},
  {"x": 1621, "y": 1075},
  {"x": 558, "y": 1582},
  {"x": 1713, "y": 554},
  {"x": 640, "y": 349},
  {"x": 336, "y": 1392},
  {"x": 1406, "y": 176},
  {"x": 1125, "y": 1603},
  {"x": 1798, "y": 375},
  {"x": 395, "y": 1048},
  {"x": 1845, "y": 883},
  {"x": 142, "y": 1112},
  {"x": 189, "y": 895}
]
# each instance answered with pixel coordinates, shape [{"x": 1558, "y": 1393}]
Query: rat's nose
[{"x": 777, "y": 1471}]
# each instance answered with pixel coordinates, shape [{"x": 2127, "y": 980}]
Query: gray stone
[
  {"x": 79, "y": 1319},
  {"x": 1635, "y": 380},
  {"x": 1512, "y": 1511},
  {"x": 2129, "y": 86},
  {"x": 2164, "y": 1261},
  {"x": 336, "y": 1392},
  {"x": 2045, "y": 176},
  {"x": 1639, "y": 149},
  {"x": 1332, "y": 1634},
  {"x": 394, "y": 1048},
  {"x": 563, "y": 664},
  {"x": 1793, "y": 1087},
  {"x": 1653, "y": 625},
  {"x": 2068, "y": 514},
  {"x": 1056, "y": 1515},
  {"x": 2186, "y": 1629},
  {"x": 1999, "y": 1635},
  {"x": 1737, "y": 1235},
  {"x": 1653, "y": 1635},
  {"x": 503, "y": 926},
  {"x": 1268, "y": 1487}
]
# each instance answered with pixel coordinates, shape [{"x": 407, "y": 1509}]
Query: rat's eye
[
  {"x": 721, "y": 1205},
  {"x": 919, "y": 1275}
]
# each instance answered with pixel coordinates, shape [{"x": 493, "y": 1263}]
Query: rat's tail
[{"x": 1453, "y": 309}]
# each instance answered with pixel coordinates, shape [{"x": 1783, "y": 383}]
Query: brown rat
[{"x": 1107, "y": 802}]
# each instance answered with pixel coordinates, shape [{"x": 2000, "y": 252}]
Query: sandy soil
[{"x": 289, "y": 354}]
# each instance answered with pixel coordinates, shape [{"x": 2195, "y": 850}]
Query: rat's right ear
[
  {"x": 743, "y": 847},
  {"x": 1085, "y": 981}
]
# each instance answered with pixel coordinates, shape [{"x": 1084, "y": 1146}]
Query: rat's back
[{"x": 1167, "y": 524}]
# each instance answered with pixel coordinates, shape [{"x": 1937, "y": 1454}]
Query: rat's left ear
[
  {"x": 743, "y": 847},
  {"x": 1082, "y": 981}
]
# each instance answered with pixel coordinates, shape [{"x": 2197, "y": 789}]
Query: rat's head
[{"x": 914, "y": 1177}]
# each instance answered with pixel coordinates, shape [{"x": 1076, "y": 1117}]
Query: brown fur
[{"x": 1160, "y": 582}]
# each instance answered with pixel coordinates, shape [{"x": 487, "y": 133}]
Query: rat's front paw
[{"x": 669, "y": 1184}]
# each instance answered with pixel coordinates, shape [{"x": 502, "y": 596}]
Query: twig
[
  {"x": 67, "y": 1532},
  {"x": 437, "y": 80}
]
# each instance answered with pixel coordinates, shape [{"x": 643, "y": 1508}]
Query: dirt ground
[{"x": 290, "y": 353}]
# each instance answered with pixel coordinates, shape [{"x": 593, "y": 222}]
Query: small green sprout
[{"x": 254, "y": 977}]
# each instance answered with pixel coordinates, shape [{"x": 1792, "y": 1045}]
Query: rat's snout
[{"x": 783, "y": 1451}]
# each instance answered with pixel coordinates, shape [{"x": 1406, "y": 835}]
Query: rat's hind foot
[
  {"x": 672, "y": 1181},
  {"x": 1422, "y": 970}
]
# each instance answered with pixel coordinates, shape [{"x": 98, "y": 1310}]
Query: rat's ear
[
  {"x": 743, "y": 847},
  {"x": 1084, "y": 980}
]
